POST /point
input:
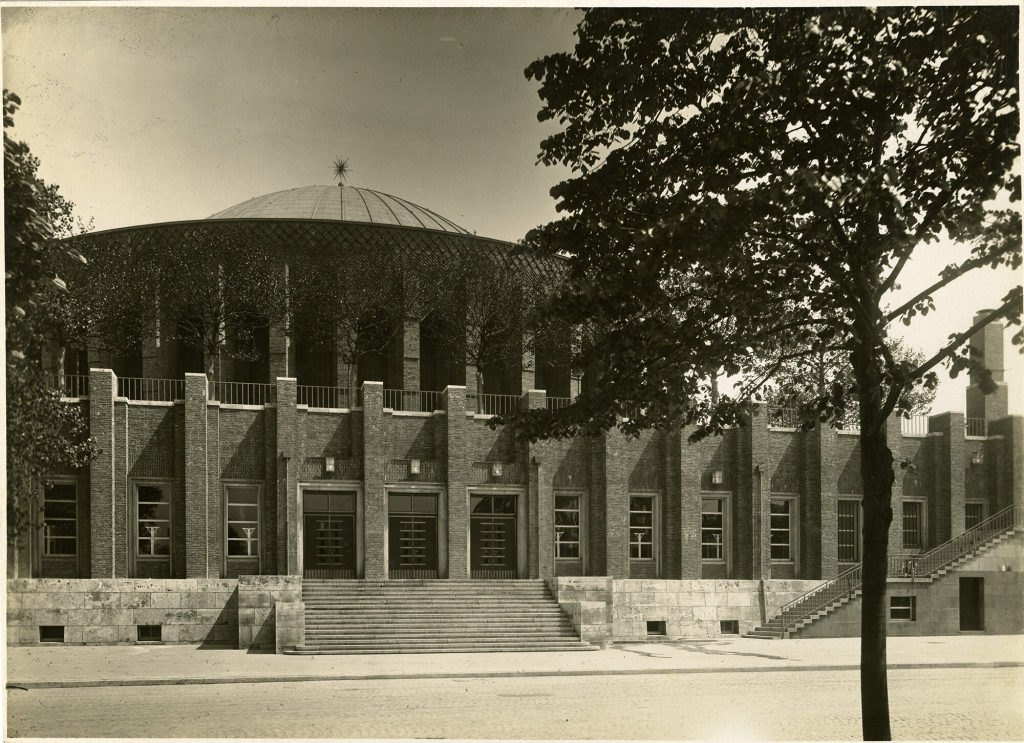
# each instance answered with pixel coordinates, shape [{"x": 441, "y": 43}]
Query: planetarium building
[{"x": 341, "y": 486}]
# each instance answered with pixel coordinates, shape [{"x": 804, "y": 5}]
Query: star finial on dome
[{"x": 341, "y": 169}]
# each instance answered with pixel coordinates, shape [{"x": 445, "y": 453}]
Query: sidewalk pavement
[{"x": 137, "y": 665}]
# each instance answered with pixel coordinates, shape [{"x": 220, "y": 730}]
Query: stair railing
[
  {"x": 902, "y": 566},
  {"x": 832, "y": 590},
  {"x": 921, "y": 566}
]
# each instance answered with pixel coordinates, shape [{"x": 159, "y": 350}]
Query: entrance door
[
  {"x": 412, "y": 535},
  {"x": 972, "y": 602},
  {"x": 328, "y": 534},
  {"x": 492, "y": 536}
]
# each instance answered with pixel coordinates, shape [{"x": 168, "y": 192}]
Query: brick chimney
[{"x": 986, "y": 346}]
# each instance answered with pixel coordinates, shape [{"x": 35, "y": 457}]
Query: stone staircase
[
  {"x": 344, "y": 617},
  {"x": 926, "y": 568}
]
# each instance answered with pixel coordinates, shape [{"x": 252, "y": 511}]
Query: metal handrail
[
  {"x": 557, "y": 403},
  {"x": 922, "y": 565}
]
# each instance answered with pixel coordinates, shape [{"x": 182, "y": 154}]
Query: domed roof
[{"x": 355, "y": 205}]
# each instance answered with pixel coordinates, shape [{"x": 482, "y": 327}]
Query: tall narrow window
[
  {"x": 712, "y": 529},
  {"x": 913, "y": 524},
  {"x": 641, "y": 527},
  {"x": 782, "y": 529},
  {"x": 243, "y": 520},
  {"x": 974, "y": 514},
  {"x": 153, "y": 520},
  {"x": 60, "y": 519},
  {"x": 849, "y": 531},
  {"x": 567, "y": 526}
]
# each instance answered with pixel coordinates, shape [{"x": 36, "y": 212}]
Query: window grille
[{"x": 567, "y": 526}]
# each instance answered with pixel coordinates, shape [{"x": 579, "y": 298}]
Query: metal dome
[{"x": 355, "y": 205}]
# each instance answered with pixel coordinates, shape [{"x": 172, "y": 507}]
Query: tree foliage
[
  {"x": 44, "y": 435},
  {"x": 797, "y": 379},
  {"x": 751, "y": 180}
]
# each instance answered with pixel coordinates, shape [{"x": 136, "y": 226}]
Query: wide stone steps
[{"x": 416, "y": 616}]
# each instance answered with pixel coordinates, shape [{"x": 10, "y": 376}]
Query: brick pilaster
[
  {"x": 689, "y": 467},
  {"x": 810, "y": 505},
  {"x": 672, "y": 531},
  {"x": 458, "y": 500},
  {"x": 597, "y": 506},
  {"x": 541, "y": 498},
  {"x": 102, "y": 388},
  {"x": 407, "y": 359},
  {"x": 894, "y": 440},
  {"x": 375, "y": 507},
  {"x": 947, "y": 434},
  {"x": 528, "y": 369},
  {"x": 197, "y": 494},
  {"x": 828, "y": 487},
  {"x": 760, "y": 468},
  {"x": 616, "y": 534},
  {"x": 287, "y": 461}
]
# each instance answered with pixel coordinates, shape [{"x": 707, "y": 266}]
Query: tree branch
[
  {"x": 930, "y": 216},
  {"x": 960, "y": 270},
  {"x": 958, "y": 341}
]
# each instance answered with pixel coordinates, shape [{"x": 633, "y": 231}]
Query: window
[
  {"x": 903, "y": 608},
  {"x": 148, "y": 632},
  {"x": 51, "y": 633},
  {"x": 60, "y": 520},
  {"x": 712, "y": 529},
  {"x": 153, "y": 520},
  {"x": 243, "y": 520},
  {"x": 913, "y": 524},
  {"x": 974, "y": 514},
  {"x": 567, "y": 526},
  {"x": 782, "y": 529},
  {"x": 641, "y": 527},
  {"x": 729, "y": 626},
  {"x": 848, "y": 537}
]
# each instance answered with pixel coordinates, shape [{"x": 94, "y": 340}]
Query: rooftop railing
[
  {"x": 557, "y": 403},
  {"x": 415, "y": 401},
  {"x": 779, "y": 417},
  {"x": 73, "y": 385},
  {"x": 976, "y": 427},
  {"x": 151, "y": 390},
  {"x": 242, "y": 393},
  {"x": 487, "y": 404},
  {"x": 915, "y": 425},
  {"x": 327, "y": 397}
]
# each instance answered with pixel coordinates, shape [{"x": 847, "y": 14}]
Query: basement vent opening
[
  {"x": 51, "y": 633},
  {"x": 149, "y": 632},
  {"x": 730, "y": 626},
  {"x": 656, "y": 628}
]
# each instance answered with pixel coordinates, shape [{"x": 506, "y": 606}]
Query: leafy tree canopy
[
  {"x": 747, "y": 181},
  {"x": 751, "y": 180},
  {"x": 44, "y": 435}
]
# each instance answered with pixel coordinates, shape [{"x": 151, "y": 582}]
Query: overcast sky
[{"x": 145, "y": 115}]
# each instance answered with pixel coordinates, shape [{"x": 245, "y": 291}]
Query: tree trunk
[
  {"x": 877, "y": 476},
  {"x": 59, "y": 364}
]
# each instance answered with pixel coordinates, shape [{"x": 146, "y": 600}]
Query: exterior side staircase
[
  {"x": 925, "y": 568},
  {"x": 344, "y": 617}
]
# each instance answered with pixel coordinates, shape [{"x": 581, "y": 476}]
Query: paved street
[{"x": 927, "y": 704}]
